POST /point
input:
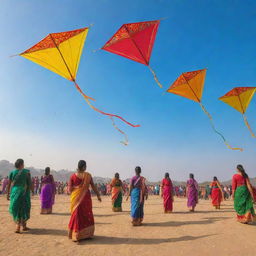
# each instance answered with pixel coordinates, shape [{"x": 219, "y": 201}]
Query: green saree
[
  {"x": 20, "y": 195},
  {"x": 116, "y": 196},
  {"x": 243, "y": 205}
]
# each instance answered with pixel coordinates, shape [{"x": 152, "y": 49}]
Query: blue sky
[{"x": 45, "y": 121}]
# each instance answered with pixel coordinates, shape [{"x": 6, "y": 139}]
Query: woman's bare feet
[
  {"x": 25, "y": 228},
  {"x": 17, "y": 229}
]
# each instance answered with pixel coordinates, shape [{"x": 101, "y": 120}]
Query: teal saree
[{"x": 20, "y": 195}]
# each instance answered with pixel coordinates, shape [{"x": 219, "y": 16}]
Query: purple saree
[
  {"x": 47, "y": 194},
  {"x": 192, "y": 193}
]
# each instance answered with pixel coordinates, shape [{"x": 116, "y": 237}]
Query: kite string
[
  {"x": 248, "y": 126},
  {"x": 155, "y": 77},
  {"x": 126, "y": 142},
  {"x": 213, "y": 127}
]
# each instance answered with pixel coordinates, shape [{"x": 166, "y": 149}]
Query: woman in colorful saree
[
  {"x": 167, "y": 193},
  {"x": 138, "y": 192},
  {"x": 81, "y": 224},
  {"x": 20, "y": 186},
  {"x": 242, "y": 193},
  {"x": 192, "y": 193},
  {"x": 47, "y": 192},
  {"x": 116, "y": 193},
  {"x": 216, "y": 193}
]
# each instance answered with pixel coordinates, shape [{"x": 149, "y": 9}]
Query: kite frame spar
[{"x": 72, "y": 78}]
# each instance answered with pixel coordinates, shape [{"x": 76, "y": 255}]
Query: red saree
[
  {"x": 167, "y": 189},
  {"x": 81, "y": 224},
  {"x": 216, "y": 195}
]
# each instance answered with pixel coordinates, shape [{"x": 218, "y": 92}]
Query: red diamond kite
[{"x": 135, "y": 41}]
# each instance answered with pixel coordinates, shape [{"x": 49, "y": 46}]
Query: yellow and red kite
[
  {"x": 239, "y": 98},
  {"x": 191, "y": 85},
  {"x": 61, "y": 53},
  {"x": 135, "y": 41}
]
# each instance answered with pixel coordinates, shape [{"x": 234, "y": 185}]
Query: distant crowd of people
[
  {"x": 60, "y": 187},
  {"x": 204, "y": 192}
]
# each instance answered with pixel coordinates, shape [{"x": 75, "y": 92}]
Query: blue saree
[{"x": 137, "y": 199}]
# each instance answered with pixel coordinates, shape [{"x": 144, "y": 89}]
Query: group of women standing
[
  {"x": 81, "y": 224},
  {"x": 168, "y": 192}
]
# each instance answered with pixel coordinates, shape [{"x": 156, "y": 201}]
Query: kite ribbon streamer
[
  {"x": 79, "y": 89},
  {"x": 110, "y": 115},
  {"x": 155, "y": 77},
  {"x": 213, "y": 127},
  {"x": 248, "y": 126},
  {"x": 126, "y": 142}
]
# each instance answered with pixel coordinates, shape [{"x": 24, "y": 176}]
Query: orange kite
[
  {"x": 191, "y": 85},
  {"x": 61, "y": 53},
  {"x": 239, "y": 98}
]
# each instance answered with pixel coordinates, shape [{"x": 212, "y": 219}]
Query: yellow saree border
[
  {"x": 246, "y": 218},
  {"x": 79, "y": 192},
  {"x": 87, "y": 232}
]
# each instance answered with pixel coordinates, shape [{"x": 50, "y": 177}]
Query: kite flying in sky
[
  {"x": 191, "y": 85},
  {"x": 135, "y": 41},
  {"x": 60, "y": 53},
  {"x": 239, "y": 98}
]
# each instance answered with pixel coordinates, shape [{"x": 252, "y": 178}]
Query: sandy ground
[{"x": 206, "y": 232}]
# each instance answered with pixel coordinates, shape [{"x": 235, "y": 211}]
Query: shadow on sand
[
  {"x": 60, "y": 213},
  {"x": 44, "y": 231},
  {"x": 136, "y": 241},
  {"x": 53, "y": 232},
  {"x": 212, "y": 211},
  {"x": 112, "y": 215},
  {"x": 183, "y": 223}
]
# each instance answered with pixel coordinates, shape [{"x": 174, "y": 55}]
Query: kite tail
[
  {"x": 111, "y": 115},
  {"x": 79, "y": 89},
  {"x": 101, "y": 112},
  {"x": 213, "y": 127},
  {"x": 155, "y": 77},
  {"x": 126, "y": 142},
  {"x": 248, "y": 126}
]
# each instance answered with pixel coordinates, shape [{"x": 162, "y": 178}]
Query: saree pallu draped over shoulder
[
  {"x": 20, "y": 204},
  {"x": 116, "y": 195},
  {"x": 137, "y": 200},
  {"x": 81, "y": 224}
]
